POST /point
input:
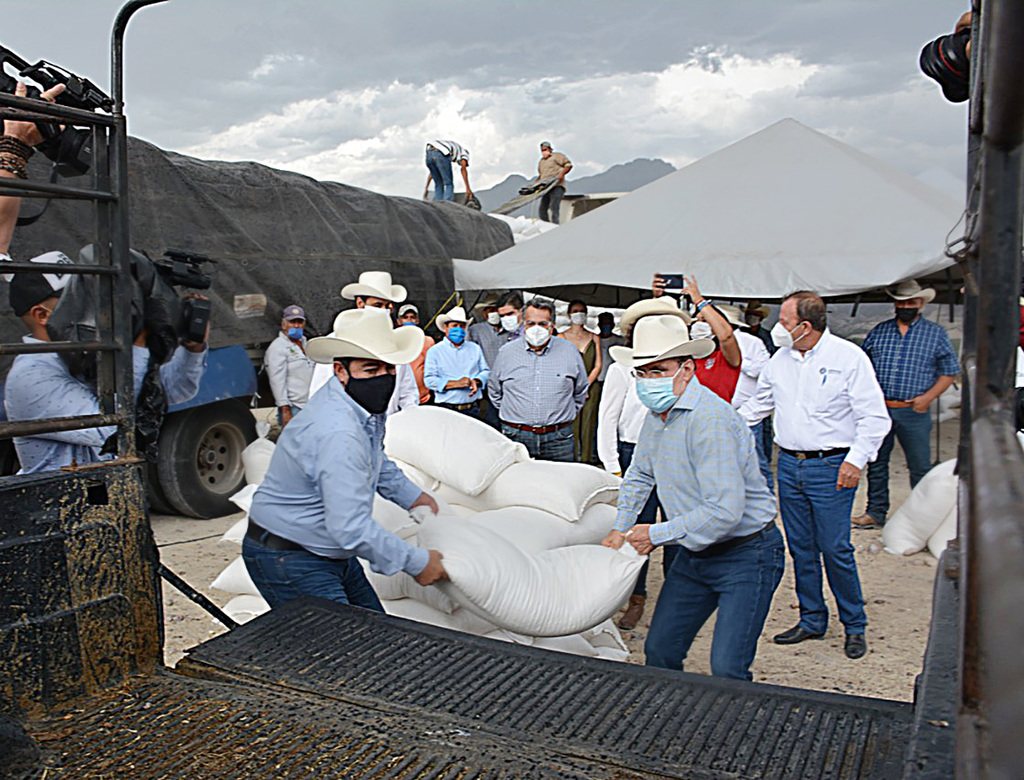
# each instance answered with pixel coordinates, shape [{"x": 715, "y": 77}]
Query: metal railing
[{"x": 991, "y": 703}]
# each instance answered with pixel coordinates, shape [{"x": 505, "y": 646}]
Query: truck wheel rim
[{"x": 219, "y": 458}]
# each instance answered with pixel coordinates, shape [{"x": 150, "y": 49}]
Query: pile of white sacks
[
  {"x": 520, "y": 539},
  {"x": 928, "y": 518},
  {"x": 525, "y": 228}
]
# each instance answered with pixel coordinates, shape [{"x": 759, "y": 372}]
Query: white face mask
[
  {"x": 509, "y": 322},
  {"x": 700, "y": 330},
  {"x": 578, "y": 318},
  {"x": 782, "y": 337},
  {"x": 537, "y": 336},
  {"x": 494, "y": 318}
]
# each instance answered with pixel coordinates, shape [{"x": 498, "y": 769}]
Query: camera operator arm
[{"x": 29, "y": 134}]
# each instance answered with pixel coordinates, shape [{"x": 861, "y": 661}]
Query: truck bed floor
[{"x": 318, "y": 689}]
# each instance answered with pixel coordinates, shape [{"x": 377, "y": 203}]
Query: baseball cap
[
  {"x": 407, "y": 308},
  {"x": 546, "y": 145},
  {"x": 28, "y": 289},
  {"x": 294, "y": 312}
]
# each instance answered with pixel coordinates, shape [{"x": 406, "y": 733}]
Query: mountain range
[{"x": 624, "y": 177}]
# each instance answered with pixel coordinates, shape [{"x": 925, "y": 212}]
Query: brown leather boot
[{"x": 634, "y": 612}]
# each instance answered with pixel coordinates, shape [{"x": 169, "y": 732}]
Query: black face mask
[
  {"x": 906, "y": 314},
  {"x": 372, "y": 394}
]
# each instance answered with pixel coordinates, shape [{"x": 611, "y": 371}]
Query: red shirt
[{"x": 717, "y": 375}]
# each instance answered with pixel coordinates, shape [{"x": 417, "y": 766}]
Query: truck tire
[
  {"x": 200, "y": 463},
  {"x": 158, "y": 503}
]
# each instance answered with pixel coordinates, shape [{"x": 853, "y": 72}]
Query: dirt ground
[{"x": 898, "y": 592}]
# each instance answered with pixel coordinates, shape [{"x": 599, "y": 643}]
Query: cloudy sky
[{"x": 350, "y": 91}]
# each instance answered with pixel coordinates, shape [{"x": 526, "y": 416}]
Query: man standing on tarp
[{"x": 552, "y": 165}]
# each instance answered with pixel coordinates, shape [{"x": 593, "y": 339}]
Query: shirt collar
[
  {"x": 815, "y": 350},
  {"x": 545, "y": 348},
  {"x": 688, "y": 400},
  {"x": 340, "y": 395}
]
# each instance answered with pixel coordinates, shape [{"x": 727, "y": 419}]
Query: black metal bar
[
  {"x": 120, "y": 294},
  {"x": 58, "y": 346},
  {"x": 58, "y": 268},
  {"x": 194, "y": 595},
  {"x": 29, "y": 109},
  {"x": 117, "y": 49},
  {"x": 56, "y": 425},
  {"x": 106, "y": 364},
  {"x": 31, "y": 189}
]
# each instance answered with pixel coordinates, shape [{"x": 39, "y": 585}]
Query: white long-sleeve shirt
[
  {"x": 825, "y": 398},
  {"x": 755, "y": 358},
  {"x": 289, "y": 371},
  {"x": 620, "y": 415},
  {"x": 406, "y": 394}
]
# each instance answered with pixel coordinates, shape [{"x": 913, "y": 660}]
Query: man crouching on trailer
[{"x": 312, "y": 516}]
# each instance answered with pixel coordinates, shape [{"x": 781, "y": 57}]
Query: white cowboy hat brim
[
  {"x": 396, "y": 293},
  {"x": 404, "y": 346},
  {"x": 927, "y": 294},
  {"x": 697, "y": 348},
  {"x": 458, "y": 314}
]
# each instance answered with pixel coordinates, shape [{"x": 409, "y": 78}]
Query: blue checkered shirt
[
  {"x": 907, "y": 366},
  {"x": 702, "y": 459},
  {"x": 538, "y": 388}
]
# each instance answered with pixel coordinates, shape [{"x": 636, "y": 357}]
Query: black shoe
[
  {"x": 795, "y": 635},
  {"x": 856, "y": 646}
]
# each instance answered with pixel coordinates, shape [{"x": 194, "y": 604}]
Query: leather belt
[
  {"x": 271, "y": 540},
  {"x": 719, "y": 548},
  {"x": 458, "y": 407},
  {"x": 898, "y": 404},
  {"x": 814, "y": 454},
  {"x": 538, "y": 429}
]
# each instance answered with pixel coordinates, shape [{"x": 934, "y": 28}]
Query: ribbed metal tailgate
[{"x": 553, "y": 710}]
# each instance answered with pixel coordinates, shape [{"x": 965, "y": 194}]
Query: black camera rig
[{"x": 69, "y": 148}]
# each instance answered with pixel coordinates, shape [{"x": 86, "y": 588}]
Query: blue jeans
[
  {"x": 551, "y": 203},
  {"x": 557, "y": 445},
  {"x": 739, "y": 583},
  {"x": 817, "y": 520},
  {"x": 914, "y": 431},
  {"x": 763, "y": 447},
  {"x": 283, "y": 575},
  {"x": 647, "y": 516},
  {"x": 440, "y": 167},
  {"x": 490, "y": 413}
]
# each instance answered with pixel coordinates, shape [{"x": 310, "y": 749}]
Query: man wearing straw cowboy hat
[
  {"x": 374, "y": 290},
  {"x": 915, "y": 363},
  {"x": 312, "y": 516},
  {"x": 455, "y": 369},
  {"x": 717, "y": 505}
]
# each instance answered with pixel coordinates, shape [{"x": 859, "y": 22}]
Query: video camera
[
  {"x": 156, "y": 307},
  {"x": 70, "y": 148},
  {"x": 945, "y": 59}
]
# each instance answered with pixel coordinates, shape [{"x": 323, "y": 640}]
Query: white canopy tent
[{"x": 786, "y": 208}]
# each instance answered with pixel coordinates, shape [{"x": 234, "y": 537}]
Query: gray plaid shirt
[{"x": 538, "y": 388}]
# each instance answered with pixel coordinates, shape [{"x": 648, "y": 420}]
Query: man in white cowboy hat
[
  {"x": 538, "y": 385},
  {"x": 915, "y": 363},
  {"x": 829, "y": 422},
  {"x": 620, "y": 416},
  {"x": 312, "y": 515},
  {"x": 700, "y": 454},
  {"x": 374, "y": 290},
  {"x": 455, "y": 369}
]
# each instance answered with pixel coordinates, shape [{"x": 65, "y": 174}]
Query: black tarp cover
[{"x": 276, "y": 234}]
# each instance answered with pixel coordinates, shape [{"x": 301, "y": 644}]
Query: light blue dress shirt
[
  {"x": 446, "y": 362},
  {"x": 538, "y": 388},
  {"x": 41, "y": 386},
  {"x": 318, "y": 491},
  {"x": 702, "y": 459}
]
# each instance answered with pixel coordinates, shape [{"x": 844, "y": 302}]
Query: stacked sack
[
  {"x": 928, "y": 517},
  {"x": 520, "y": 539}
]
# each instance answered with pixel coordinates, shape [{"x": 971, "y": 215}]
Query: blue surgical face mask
[
  {"x": 295, "y": 333},
  {"x": 658, "y": 395},
  {"x": 456, "y": 334}
]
